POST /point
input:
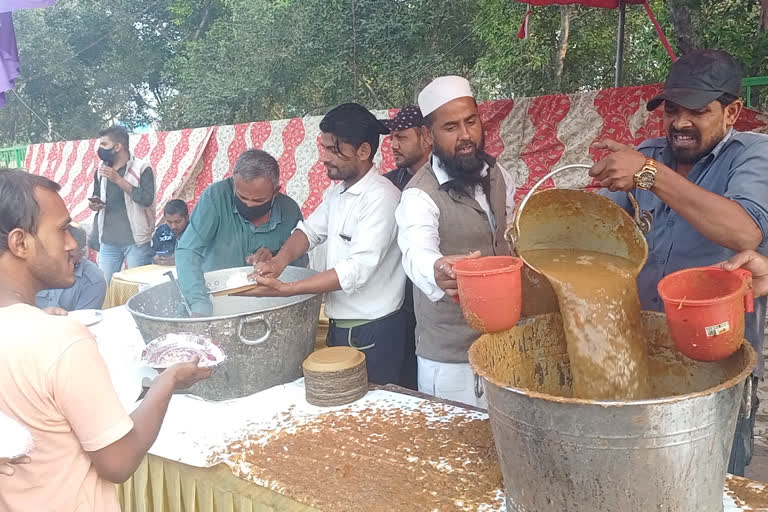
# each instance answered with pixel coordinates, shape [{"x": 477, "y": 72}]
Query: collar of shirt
[
  {"x": 362, "y": 185},
  {"x": 442, "y": 175},
  {"x": 79, "y": 269},
  {"x": 275, "y": 215}
]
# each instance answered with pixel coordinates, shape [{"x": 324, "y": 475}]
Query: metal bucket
[
  {"x": 265, "y": 339},
  {"x": 560, "y": 218},
  {"x": 563, "y": 454}
]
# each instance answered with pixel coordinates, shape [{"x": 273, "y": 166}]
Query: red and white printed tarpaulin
[{"x": 530, "y": 136}]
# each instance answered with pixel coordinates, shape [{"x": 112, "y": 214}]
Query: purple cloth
[
  {"x": 15, "y": 5},
  {"x": 9, "y": 54}
]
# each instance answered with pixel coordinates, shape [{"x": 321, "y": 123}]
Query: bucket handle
[
  {"x": 749, "y": 297},
  {"x": 643, "y": 218},
  {"x": 254, "y": 320}
]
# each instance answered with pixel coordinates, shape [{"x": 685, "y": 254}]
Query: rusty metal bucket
[
  {"x": 559, "y": 218},
  {"x": 562, "y": 454}
]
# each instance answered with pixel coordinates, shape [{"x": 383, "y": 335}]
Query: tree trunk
[
  {"x": 681, "y": 19},
  {"x": 763, "y": 14},
  {"x": 562, "y": 45}
]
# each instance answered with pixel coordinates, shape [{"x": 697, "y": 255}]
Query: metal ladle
[{"x": 181, "y": 294}]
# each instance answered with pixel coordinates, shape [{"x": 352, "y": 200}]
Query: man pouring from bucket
[
  {"x": 456, "y": 206},
  {"x": 707, "y": 188}
]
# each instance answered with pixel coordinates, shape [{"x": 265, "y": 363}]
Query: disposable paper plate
[
  {"x": 170, "y": 349},
  {"x": 236, "y": 283},
  {"x": 15, "y": 440},
  {"x": 87, "y": 317}
]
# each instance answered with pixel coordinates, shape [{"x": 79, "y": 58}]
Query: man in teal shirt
[{"x": 241, "y": 218}]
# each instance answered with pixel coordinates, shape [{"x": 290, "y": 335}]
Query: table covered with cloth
[
  {"x": 129, "y": 282},
  {"x": 391, "y": 450},
  {"x": 272, "y": 451}
]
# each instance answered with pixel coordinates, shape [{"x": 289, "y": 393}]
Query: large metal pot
[
  {"x": 561, "y": 454},
  {"x": 265, "y": 339}
]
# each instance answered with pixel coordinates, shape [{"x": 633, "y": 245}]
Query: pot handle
[
  {"x": 254, "y": 320},
  {"x": 749, "y": 297},
  {"x": 643, "y": 218}
]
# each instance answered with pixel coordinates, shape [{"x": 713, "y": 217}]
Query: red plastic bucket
[
  {"x": 705, "y": 309},
  {"x": 489, "y": 292}
]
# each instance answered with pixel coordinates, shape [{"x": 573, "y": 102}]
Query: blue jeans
[
  {"x": 111, "y": 258},
  {"x": 744, "y": 438}
]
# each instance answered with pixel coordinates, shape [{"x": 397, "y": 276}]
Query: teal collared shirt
[{"x": 219, "y": 237}]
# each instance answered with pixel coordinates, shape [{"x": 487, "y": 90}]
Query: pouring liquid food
[{"x": 600, "y": 309}]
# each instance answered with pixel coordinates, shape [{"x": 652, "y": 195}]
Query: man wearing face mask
[
  {"x": 240, "y": 220},
  {"x": 457, "y": 206},
  {"x": 124, "y": 197},
  {"x": 707, "y": 187}
]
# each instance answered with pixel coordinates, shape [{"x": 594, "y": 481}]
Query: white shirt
[
  {"x": 418, "y": 219},
  {"x": 359, "y": 227}
]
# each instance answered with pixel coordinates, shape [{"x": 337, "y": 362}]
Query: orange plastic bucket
[
  {"x": 489, "y": 292},
  {"x": 705, "y": 309}
]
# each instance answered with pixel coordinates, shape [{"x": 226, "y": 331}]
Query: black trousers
[{"x": 382, "y": 341}]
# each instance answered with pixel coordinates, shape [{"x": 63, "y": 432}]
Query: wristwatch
[{"x": 646, "y": 176}]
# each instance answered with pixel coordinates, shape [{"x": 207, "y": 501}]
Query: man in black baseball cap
[
  {"x": 707, "y": 187},
  {"x": 410, "y": 146},
  {"x": 411, "y": 149},
  {"x": 700, "y": 78}
]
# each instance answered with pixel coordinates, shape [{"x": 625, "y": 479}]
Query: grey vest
[{"x": 441, "y": 332}]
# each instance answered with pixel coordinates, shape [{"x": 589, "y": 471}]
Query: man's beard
[
  {"x": 465, "y": 169},
  {"x": 52, "y": 272},
  {"x": 694, "y": 154}
]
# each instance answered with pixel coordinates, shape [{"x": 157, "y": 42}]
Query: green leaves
[{"x": 186, "y": 63}]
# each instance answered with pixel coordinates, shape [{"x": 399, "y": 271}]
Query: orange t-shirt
[{"x": 54, "y": 381}]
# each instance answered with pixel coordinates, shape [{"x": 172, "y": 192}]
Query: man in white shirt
[
  {"x": 457, "y": 206},
  {"x": 364, "y": 279}
]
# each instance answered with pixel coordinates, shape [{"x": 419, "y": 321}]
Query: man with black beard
[
  {"x": 707, "y": 187},
  {"x": 457, "y": 206}
]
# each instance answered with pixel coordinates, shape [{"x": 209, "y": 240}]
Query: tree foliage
[{"x": 185, "y": 63}]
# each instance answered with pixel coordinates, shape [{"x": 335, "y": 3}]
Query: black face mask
[
  {"x": 253, "y": 212},
  {"x": 107, "y": 155}
]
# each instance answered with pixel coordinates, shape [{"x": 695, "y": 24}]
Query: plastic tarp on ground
[{"x": 530, "y": 137}]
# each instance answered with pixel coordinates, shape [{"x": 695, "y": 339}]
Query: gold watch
[{"x": 646, "y": 176}]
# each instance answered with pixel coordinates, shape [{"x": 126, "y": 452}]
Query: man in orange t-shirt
[{"x": 52, "y": 377}]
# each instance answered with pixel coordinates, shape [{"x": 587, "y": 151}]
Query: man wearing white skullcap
[{"x": 457, "y": 206}]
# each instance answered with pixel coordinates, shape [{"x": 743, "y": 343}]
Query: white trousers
[{"x": 450, "y": 381}]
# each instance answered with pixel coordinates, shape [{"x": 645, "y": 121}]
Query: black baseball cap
[
  {"x": 408, "y": 117},
  {"x": 699, "y": 78}
]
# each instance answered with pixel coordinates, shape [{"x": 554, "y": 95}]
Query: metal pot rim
[
  {"x": 751, "y": 357},
  {"x": 297, "y": 299}
]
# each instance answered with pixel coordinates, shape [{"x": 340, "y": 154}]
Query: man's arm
[
  {"x": 720, "y": 219},
  {"x": 116, "y": 462},
  {"x": 374, "y": 234},
  {"x": 82, "y": 390},
  {"x": 144, "y": 194},
  {"x": 190, "y": 252},
  {"x": 418, "y": 220}
]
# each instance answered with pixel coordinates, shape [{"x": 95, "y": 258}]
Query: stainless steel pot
[
  {"x": 265, "y": 339},
  {"x": 561, "y": 454}
]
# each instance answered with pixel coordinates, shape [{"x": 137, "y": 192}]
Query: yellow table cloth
[
  {"x": 161, "y": 485},
  {"x": 129, "y": 282}
]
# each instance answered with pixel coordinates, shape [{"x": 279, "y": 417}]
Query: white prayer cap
[{"x": 442, "y": 90}]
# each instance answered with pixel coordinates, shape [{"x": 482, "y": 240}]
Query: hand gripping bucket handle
[{"x": 643, "y": 218}]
